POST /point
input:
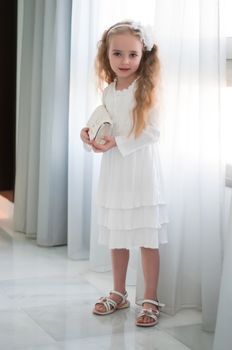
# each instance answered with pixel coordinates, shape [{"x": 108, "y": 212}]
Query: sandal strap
[
  {"x": 148, "y": 312},
  {"x": 108, "y": 303},
  {"x": 153, "y": 302},
  {"x": 123, "y": 296}
]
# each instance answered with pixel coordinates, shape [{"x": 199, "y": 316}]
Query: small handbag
[{"x": 99, "y": 124}]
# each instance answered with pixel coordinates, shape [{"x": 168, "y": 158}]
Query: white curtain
[
  {"x": 56, "y": 179},
  {"x": 223, "y": 335},
  {"x": 192, "y": 67},
  {"x": 187, "y": 34},
  {"x": 42, "y": 120},
  {"x": 83, "y": 98}
]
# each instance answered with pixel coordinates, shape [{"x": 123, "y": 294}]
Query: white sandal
[
  {"x": 110, "y": 305},
  {"x": 151, "y": 313}
]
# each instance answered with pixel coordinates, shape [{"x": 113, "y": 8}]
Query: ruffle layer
[
  {"x": 127, "y": 239},
  {"x": 130, "y": 182},
  {"x": 129, "y": 200},
  {"x": 130, "y": 219}
]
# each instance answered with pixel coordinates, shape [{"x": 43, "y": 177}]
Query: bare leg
[
  {"x": 120, "y": 258},
  {"x": 150, "y": 264}
]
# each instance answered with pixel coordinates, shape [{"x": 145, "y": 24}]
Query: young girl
[{"x": 132, "y": 211}]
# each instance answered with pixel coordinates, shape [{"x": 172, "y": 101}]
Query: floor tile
[
  {"x": 18, "y": 330},
  {"x": 54, "y": 346},
  {"x": 70, "y": 321},
  {"x": 48, "y": 291},
  {"x": 22, "y": 258},
  {"x": 139, "y": 340},
  {"x": 185, "y": 317},
  {"x": 6, "y": 303},
  {"x": 193, "y": 336}
]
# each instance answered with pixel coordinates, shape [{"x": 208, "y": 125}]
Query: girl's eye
[
  {"x": 116, "y": 54},
  {"x": 133, "y": 55}
]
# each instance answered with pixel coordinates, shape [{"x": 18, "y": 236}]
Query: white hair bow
[
  {"x": 147, "y": 37},
  {"x": 146, "y": 32}
]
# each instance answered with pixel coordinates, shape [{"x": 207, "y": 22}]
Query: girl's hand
[
  {"x": 109, "y": 143},
  {"x": 85, "y": 136}
]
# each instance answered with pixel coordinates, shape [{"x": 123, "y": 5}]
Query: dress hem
[{"x": 136, "y": 246}]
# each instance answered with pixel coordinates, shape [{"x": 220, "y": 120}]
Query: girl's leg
[
  {"x": 120, "y": 258},
  {"x": 150, "y": 265}
]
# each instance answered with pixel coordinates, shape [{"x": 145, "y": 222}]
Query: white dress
[{"x": 131, "y": 206}]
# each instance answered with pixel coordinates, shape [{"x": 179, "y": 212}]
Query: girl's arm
[
  {"x": 127, "y": 145},
  {"x": 149, "y": 135}
]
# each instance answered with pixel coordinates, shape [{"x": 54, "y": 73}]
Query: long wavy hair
[{"x": 148, "y": 74}]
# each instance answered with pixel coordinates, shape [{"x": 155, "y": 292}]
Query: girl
[{"x": 132, "y": 211}]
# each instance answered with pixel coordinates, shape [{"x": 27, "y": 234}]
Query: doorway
[{"x": 8, "y": 60}]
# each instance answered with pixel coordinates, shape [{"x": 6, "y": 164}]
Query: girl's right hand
[{"x": 85, "y": 136}]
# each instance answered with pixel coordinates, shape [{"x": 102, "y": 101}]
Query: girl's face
[{"x": 125, "y": 53}]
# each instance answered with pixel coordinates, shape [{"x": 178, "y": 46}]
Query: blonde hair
[{"x": 147, "y": 74}]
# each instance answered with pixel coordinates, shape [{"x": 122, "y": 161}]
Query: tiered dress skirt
[{"x": 131, "y": 205}]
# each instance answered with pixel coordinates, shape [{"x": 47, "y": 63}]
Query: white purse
[{"x": 99, "y": 124}]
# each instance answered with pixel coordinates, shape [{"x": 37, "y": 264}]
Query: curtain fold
[
  {"x": 83, "y": 98},
  {"x": 42, "y": 121},
  {"x": 212, "y": 174},
  {"x": 192, "y": 156},
  {"x": 223, "y": 335},
  {"x": 28, "y": 117}
]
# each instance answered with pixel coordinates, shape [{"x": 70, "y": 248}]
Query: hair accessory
[{"x": 145, "y": 32}]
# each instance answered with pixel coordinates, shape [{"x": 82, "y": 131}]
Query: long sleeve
[
  {"x": 149, "y": 135},
  {"x": 87, "y": 147}
]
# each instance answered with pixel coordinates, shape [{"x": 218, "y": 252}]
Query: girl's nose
[{"x": 125, "y": 59}]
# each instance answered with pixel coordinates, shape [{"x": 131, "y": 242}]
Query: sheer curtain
[
  {"x": 187, "y": 33},
  {"x": 223, "y": 335},
  {"x": 83, "y": 97},
  {"x": 191, "y": 57},
  {"x": 40, "y": 209}
]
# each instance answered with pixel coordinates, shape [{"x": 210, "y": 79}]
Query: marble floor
[{"x": 46, "y": 301}]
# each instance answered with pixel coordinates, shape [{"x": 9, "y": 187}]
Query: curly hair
[{"x": 147, "y": 74}]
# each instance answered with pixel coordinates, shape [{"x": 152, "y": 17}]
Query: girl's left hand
[{"x": 109, "y": 143}]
